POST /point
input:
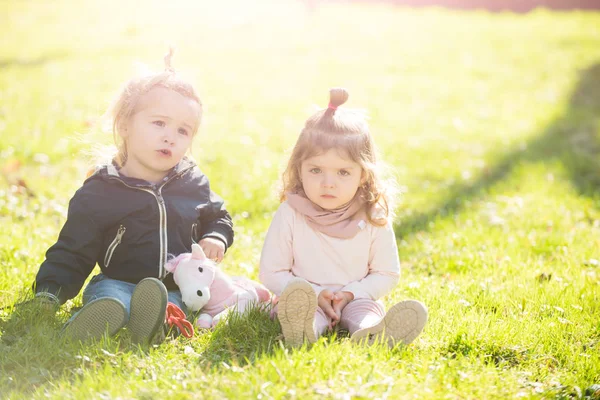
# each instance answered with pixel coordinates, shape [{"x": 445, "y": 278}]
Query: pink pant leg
[
  {"x": 361, "y": 313},
  {"x": 320, "y": 324}
]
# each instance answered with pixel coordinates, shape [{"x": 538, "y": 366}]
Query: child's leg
[
  {"x": 298, "y": 314},
  {"x": 361, "y": 313},
  {"x": 322, "y": 322},
  {"x": 102, "y": 286},
  {"x": 402, "y": 323},
  {"x": 175, "y": 298}
]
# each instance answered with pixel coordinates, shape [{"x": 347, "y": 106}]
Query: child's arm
[
  {"x": 72, "y": 258},
  {"x": 384, "y": 267},
  {"x": 214, "y": 220},
  {"x": 277, "y": 257}
]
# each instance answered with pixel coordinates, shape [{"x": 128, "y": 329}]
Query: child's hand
[
  {"x": 341, "y": 300},
  {"x": 213, "y": 248},
  {"x": 325, "y": 301}
]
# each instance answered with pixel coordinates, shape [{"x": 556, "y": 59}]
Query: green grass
[{"x": 490, "y": 122}]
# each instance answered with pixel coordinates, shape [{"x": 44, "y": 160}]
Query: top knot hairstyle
[
  {"x": 337, "y": 97},
  {"x": 125, "y": 104},
  {"x": 347, "y": 132}
]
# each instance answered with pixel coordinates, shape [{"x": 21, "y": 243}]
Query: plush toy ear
[
  {"x": 197, "y": 252},
  {"x": 171, "y": 266}
]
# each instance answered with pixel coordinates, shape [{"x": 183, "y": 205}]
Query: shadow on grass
[
  {"x": 30, "y": 354},
  {"x": 243, "y": 338},
  {"x": 34, "y": 352},
  {"x": 571, "y": 140}
]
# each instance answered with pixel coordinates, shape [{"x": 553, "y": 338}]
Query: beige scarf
[{"x": 343, "y": 222}]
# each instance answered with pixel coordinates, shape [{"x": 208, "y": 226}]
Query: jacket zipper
[
  {"x": 193, "y": 233},
  {"x": 163, "y": 232},
  {"x": 162, "y": 210},
  {"x": 111, "y": 248}
]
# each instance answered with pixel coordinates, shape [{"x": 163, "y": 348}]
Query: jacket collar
[{"x": 112, "y": 171}]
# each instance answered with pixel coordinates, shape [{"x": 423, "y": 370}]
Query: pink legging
[{"x": 358, "y": 314}]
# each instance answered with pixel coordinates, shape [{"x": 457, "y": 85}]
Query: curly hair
[{"x": 335, "y": 128}]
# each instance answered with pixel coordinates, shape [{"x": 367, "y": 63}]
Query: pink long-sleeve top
[{"x": 366, "y": 265}]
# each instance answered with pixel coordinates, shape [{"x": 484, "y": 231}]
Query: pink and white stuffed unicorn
[{"x": 205, "y": 287}]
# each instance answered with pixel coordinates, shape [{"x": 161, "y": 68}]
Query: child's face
[
  {"x": 330, "y": 180},
  {"x": 159, "y": 133}
]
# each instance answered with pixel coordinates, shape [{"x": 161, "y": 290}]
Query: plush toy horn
[{"x": 197, "y": 252}]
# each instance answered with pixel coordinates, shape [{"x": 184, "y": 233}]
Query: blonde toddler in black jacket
[{"x": 151, "y": 201}]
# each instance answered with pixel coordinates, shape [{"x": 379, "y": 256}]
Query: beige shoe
[
  {"x": 402, "y": 323},
  {"x": 296, "y": 312},
  {"x": 103, "y": 315},
  {"x": 148, "y": 309}
]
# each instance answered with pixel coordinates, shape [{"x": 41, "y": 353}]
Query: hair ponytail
[
  {"x": 167, "y": 59},
  {"x": 337, "y": 97}
]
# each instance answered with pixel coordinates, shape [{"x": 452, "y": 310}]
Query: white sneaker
[
  {"x": 296, "y": 312},
  {"x": 402, "y": 323}
]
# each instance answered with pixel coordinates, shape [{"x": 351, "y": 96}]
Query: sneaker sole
[
  {"x": 104, "y": 315},
  {"x": 148, "y": 309},
  {"x": 296, "y": 312},
  {"x": 402, "y": 323}
]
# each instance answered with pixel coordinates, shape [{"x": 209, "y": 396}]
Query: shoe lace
[{"x": 175, "y": 316}]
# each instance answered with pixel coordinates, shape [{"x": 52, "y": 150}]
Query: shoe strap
[{"x": 175, "y": 316}]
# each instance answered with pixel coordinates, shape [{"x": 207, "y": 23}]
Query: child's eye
[
  {"x": 343, "y": 172},
  {"x": 183, "y": 132},
  {"x": 159, "y": 123},
  {"x": 315, "y": 170}
]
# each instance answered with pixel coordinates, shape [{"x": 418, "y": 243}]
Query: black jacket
[{"x": 128, "y": 227}]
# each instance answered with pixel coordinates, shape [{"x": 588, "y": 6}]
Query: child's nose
[
  {"x": 169, "y": 136},
  {"x": 328, "y": 181}
]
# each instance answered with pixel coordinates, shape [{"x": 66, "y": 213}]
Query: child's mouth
[{"x": 165, "y": 152}]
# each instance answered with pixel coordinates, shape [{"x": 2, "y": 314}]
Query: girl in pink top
[{"x": 330, "y": 252}]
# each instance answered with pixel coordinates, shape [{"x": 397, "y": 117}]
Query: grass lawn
[{"x": 490, "y": 123}]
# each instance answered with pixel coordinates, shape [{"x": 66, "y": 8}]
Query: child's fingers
[
  {"x": 328, "y": 310},
  {"x": 327, "y": 294},
  {"x": 325, "y": 303},
  {"x": 210, "y": 253},
  {"x": 213, "y": 252},
  {"x": 337, "y": 299}
]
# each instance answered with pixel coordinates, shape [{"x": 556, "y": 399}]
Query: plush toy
[{"x": 205, "y": 287}]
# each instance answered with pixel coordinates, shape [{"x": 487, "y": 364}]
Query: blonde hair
[
  {"x": 335, "y": 128},
  {"x": 126, "y": 101}
]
